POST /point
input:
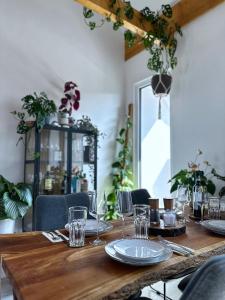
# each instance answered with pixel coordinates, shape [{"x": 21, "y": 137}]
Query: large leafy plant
[
  {"x": 160, "y": 41},
  {"x": 15, "y": 199},
  {"x": 122, "y": 177},
  {"x": 187, "y": 177}
]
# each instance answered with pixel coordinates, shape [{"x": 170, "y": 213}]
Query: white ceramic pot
[
  {"x": 10, "y": 226},
  {"x": 63, "y": 119}
]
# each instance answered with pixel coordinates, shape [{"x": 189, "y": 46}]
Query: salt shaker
[
  {"x": 169, "y": 215},
  {"x": 154, "y": 211}
]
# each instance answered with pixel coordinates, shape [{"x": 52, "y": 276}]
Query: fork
[{"x": 53, "y": 235}]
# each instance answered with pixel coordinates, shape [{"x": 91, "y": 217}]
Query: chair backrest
[
  {"x": 208, "y": 282},
  {"x": 78, "y": 199},
  {"x": 140, "y": 196},
  {"x": 49, "y": 212}
]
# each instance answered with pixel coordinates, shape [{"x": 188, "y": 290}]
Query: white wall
[
  {"x": 44, "y": 44},
  {"x": 198, "y": 91}
]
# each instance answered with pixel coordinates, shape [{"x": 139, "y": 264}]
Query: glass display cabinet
[{"x": 60, "y": 160}]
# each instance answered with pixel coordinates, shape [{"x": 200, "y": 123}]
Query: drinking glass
[
  {"x": 214, "y": 208},
  {"x": 77, "y": 219},
  {"x": 141, "y": 220},
  {"x": 124, "y": 206},
  {"x": 97, "y": 209},
  {"x": 182, "y": 203}
]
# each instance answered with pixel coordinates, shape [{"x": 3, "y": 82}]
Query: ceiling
[{"x": 152, "y": 4}]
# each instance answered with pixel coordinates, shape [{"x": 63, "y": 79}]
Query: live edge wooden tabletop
[{"x": 40, "y": 270}]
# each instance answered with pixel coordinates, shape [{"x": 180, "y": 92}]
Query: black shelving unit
[{"x": 63, "y": 151}]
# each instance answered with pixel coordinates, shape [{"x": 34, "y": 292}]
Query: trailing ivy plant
[
  {"x": 160, "y": 41},
  {"x": 122, "y": 175}
]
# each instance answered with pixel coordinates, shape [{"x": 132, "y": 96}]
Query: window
[{"x": 152, "y": 147}]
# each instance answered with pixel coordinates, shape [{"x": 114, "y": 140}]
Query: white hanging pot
[{"x": 161, "y": 84}]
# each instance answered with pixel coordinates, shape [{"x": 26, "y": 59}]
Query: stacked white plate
[
  {"x": 138, "y": 252},
  {"x": 91, "y": 227},
  {"x": 217, "y": 226}
]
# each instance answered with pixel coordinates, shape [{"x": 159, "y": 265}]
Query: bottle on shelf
[
  {"x": 84, "y": 184},
  {"x": 48, "y": 181},
  {"x": 64, "y": 184}
]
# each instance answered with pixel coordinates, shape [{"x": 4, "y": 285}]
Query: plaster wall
[
  {"x": 43, "y": 45},
  {"x": 198, "y": 91}
]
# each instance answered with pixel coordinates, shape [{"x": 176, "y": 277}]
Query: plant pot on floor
[
  {"x": 161, "y": 84},
  {"x": 63, "y": 119},
  {"x": 10, "y": 226}
]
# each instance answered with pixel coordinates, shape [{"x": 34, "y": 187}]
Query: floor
[{"x": 172, "y": 290}]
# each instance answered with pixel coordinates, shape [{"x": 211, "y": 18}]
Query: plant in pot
[
  {"x": 69, "y": 102},
  {"x": 122, "y": 177},
  {"x": 37, "y": 106},
  {"x": 187, "y": 177},
  {"x": 15, "y": 200}
]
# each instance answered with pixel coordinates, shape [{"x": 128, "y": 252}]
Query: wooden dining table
[{"x": 41, "y": 270}]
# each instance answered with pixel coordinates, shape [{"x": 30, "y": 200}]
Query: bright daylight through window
[{"x": 154, "y": 143}]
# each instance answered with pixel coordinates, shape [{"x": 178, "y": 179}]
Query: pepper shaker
[{"x": 154, "y": 211}]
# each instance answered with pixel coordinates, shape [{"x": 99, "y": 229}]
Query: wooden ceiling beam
[
  {"x": 184, "y": 12},
  {"x": 102, "y": 7}
]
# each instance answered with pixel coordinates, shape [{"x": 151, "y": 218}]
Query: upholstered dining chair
[
  {"x": 208, "y": 282},
  {"x": 51, "y": 211},
  {"x": 140, "y": 196}
]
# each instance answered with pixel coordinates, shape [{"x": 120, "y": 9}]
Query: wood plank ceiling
[{"x": 184, "y": 12}]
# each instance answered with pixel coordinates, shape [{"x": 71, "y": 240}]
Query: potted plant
[
  {"x": 122, "y": 178},
  {"x": 15, "y": 200},
  {"x": 69, "y": 102},
  {"x": 160, "y": 41},
  {"x": 39, "y": 107},
  {"x": 187, "y": 177}
]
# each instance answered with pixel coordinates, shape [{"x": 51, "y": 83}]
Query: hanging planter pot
[{"x": 161, "y": 84}]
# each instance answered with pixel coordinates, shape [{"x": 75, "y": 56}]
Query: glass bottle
[
  {"x": 64, "y": 185},
  {"x": 48, "y": 181},
  {"x": 198, "y": 195},
  {"x": 84, "y": 184}
]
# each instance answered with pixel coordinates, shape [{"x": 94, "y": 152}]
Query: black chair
[
  {"x": 208, "y": 282},
  {"x": 51, "y": 211},
  {"x": 140, "y": 196}
]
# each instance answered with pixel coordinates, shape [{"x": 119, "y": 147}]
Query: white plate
[
  {"x": 109, "y": 249},
  {"x": 217, "y": 226},
  {"x": 138, "y": 249},
  {"x": 91, "y": 227}
]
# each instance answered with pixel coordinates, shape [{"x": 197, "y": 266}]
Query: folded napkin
[{"x": 50, "y": 237}]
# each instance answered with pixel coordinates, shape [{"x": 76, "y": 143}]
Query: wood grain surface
[{"x": 40, "y": 270}]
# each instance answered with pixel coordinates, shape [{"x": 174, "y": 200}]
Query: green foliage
[
  {"x": 15, "y": 199},
  {"x": 187, "y": 177},
  {"x": 122, "y": 178},
  {"x": 222, "y": 190},
  {"x": 160, "y": 41}
]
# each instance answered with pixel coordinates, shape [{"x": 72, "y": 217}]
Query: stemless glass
[
  {"x": 124, "y": 206},
  {"x": 97, "y": 209}
]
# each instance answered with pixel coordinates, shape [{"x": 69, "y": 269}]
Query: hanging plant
[{"x": 71, "y": 99}]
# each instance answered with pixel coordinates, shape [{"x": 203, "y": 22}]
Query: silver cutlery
[
  {"x": 53, "y": 236},
  {"x": 180, "y": 249},
  {"x": 61, "y": 235}
]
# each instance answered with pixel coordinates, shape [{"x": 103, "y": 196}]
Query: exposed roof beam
[
  {"x": 184, "y": 12},
  {"x": 102, "y": 7}
]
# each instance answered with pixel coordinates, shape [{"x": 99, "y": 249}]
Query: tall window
[{"x": 152, "y": 142}]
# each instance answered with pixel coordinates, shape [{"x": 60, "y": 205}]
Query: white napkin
[{"x": 49, "y": 237}]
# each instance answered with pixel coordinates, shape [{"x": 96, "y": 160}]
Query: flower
[{"x": 71, "y": 98}]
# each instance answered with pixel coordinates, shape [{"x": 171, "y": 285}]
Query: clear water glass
[
  {"x": 124, "y": 206},
  {"x": 141, "y": 220},
  {"x": 77, "y": 219},
  {"x": 214, "y": 208}
]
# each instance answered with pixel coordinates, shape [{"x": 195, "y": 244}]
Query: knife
[{"x": 61, "y": 235}]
